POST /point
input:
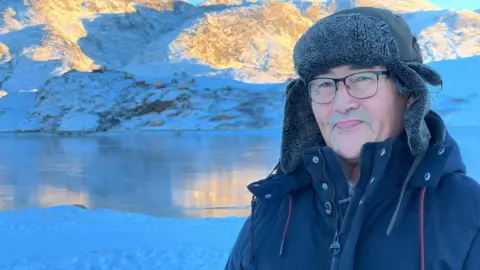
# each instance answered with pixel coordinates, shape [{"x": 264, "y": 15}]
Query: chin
[
  {"x": 348, "y": 153},
  {"x": 349, "y": 145}
]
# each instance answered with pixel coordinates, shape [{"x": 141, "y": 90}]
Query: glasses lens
[
  {"x": 362, "y": 85},
  {"x": 322, "y": 90}
]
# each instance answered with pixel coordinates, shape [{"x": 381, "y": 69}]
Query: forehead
[{"x": 349, "y": 69}]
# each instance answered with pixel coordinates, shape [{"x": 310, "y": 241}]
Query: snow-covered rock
[{"x": 106, "y": 101}]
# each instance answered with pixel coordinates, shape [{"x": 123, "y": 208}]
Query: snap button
[
  {"x": 427, "y": 176},
  {"x": 256, "y": 185},
  {"x": 372, "y": 179},
  {"x": 382, "y": 152},
  {"x": 441, "y": 150},
  {"x": 268, "y": 196},
  {"x": 325, "y": 186},
  {"x": 315, "y": 159},
  {"x": 328, "y": 208}
]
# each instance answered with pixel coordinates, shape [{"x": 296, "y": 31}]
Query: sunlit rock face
[{"x": 248, "y": 40}]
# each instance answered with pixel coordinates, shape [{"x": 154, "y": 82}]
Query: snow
[
  {"x": 458, "y": 102},
  {"x": 137, "y": 42},
  {"x": 23, "y": 73},
  {"x": 69, "y": 237},
  {"x": 421, "y": 20},
  {"x": 113, "y": 101}
]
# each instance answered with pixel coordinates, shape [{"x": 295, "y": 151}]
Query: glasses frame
[{"x": 378, "y": 73}]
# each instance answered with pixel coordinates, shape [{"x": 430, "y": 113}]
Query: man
[{"x": 368, "y": 177}]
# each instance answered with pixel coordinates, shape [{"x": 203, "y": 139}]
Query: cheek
[
  {"x": 322, "y": 115},
  {"x": 387, "y": 117},
  {"x": 379, "y": 116}
]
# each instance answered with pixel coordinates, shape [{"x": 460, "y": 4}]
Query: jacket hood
[{"x": 443, "y": 141}]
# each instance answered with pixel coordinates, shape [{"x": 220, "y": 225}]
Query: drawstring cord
[
  {"x": 415, "y": 164},
  {"x": 412, "y": 169},
  {"x": 285, "y": 230}
]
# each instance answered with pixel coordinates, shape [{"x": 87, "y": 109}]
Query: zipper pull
[{"x": 335, "y": 246}]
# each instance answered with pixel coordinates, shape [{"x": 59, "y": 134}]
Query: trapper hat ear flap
[
  {"x": 428, "y": 74},
  {"x": 413, "y": 79},
  {"x": 300, "y": 129}
]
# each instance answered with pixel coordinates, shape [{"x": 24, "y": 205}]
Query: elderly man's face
[{"x": 347, "y": 122}]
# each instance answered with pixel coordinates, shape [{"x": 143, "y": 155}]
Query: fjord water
[{"x": 167, "y": 174}]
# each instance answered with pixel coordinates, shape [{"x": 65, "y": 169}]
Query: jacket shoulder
[
  {"x": 459, "y": 184},
  {"x": 464, "y": 194},
  {"x": 265, "y": 206},
  {"x": 270, "y": 206},
  {"x": 236, "y": 257},
  {"x": 460, "y": 194}
]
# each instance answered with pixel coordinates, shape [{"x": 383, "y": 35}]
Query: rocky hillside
[
  {"x": 117, "y": 101},
  {"x": 51, "y": 49},
  {"x": 241, "y": 39}
]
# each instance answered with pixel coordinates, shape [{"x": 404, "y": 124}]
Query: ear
[{"x": 410, "y": 101}]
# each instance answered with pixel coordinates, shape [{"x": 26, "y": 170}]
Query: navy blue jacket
[{"x": 405, "y": 213}]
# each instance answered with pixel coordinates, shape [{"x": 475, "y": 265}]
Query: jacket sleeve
[
  {"x": 473, "y": 258},
  {"x": 237, "y": 258}
]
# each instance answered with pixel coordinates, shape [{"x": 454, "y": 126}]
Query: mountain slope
[
  {"x": 255, "y": 41},
  {"x": 454, "y": 35},
  {"x": 243, "y": 40},
  {"x": 400, "y": 6},
  {"x": 226, "y": 2},
  {"x": 91, "y": 65}
]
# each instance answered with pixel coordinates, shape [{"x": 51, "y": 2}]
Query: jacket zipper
[{"x": 335, "y": 247}]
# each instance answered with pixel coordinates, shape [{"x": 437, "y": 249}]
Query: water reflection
[{"x": 193, "y": 175}]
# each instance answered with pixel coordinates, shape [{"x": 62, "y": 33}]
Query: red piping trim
[
  {"x": 422, "y": 237},
  {"x": 287, "y": 223}
]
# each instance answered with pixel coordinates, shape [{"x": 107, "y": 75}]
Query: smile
[{"x": 349, "y": 124}]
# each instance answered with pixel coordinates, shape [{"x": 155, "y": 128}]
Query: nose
[{"x": 343, "y": 101}]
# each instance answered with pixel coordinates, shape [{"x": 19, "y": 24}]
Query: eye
[
  {"x": 362, "y": 78},
  {"x": 326, "y": 84}
]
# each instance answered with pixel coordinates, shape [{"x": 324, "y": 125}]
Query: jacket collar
[{"x": 442, "y": 158}]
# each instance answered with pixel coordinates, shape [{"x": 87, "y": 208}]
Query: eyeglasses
[{"x": 360, "y": 85}]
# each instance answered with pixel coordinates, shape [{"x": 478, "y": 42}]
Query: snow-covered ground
[{"x": 68, "y": 237}]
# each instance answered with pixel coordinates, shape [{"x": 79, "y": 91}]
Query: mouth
[{"x": 348, "y": 124}]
